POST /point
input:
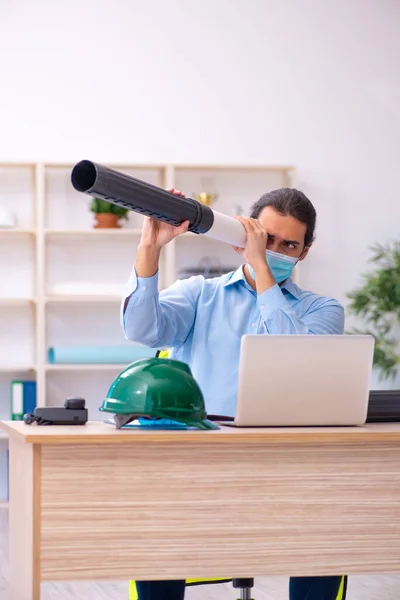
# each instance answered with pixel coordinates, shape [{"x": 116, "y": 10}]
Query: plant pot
[{"x": 106, "y": 220}]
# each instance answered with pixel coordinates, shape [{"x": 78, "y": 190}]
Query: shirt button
[
  {"x": 144, "y": 288},
  {"x": 253, "y": 324},
  {"x": 262, "y": 307}
]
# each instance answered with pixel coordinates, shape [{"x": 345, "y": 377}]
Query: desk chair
[{"x": 244, "y": 585}]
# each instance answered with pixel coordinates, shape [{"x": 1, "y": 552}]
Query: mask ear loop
[{"x": 304, "y": 249}]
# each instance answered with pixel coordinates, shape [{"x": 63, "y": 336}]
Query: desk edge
[{"x": 226, "y": 435}]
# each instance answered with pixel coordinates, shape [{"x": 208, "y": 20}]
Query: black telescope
[{"x": 150, "y": 200}]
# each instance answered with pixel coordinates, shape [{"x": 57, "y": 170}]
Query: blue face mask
[{"x": 281, "y": 266}]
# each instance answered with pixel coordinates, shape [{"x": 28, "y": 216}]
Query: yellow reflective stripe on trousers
[{"x": 341, "y": 595}]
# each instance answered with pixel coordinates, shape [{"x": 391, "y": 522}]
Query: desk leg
[{"x": 24, "y": 521}]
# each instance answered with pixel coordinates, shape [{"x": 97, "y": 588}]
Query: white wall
[{"x": 313, "y": 83}]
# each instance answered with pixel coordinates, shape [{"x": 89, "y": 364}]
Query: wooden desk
[{"x": 95, "y": 503}]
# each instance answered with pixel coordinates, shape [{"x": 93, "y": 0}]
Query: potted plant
[
  {"x": 378, "y": 302},
  {"x": 107, "y": 214}
]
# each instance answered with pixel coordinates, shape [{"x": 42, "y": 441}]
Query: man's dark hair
[{"x": 288, "y": 201}]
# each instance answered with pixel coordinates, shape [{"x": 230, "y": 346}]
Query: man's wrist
[
  {"x": 149, "y": 248},
  {"x": 147, "y": 259},
  {"x": 264, "y": 278},
  {"x": 261, "y": 268}
]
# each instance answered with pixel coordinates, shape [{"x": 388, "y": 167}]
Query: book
[{"x": 23, "y": 398}]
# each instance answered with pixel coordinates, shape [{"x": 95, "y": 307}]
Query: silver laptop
[{"x": 304, "y": 380}]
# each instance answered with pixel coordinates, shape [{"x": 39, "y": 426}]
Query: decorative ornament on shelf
[
  {"x": 377, "y": 301},
  {"x": 108, "y": 215},
  {"x": 207, "y": 198}
]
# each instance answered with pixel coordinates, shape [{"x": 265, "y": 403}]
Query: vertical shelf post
[
  {"x": 40, "y": 284},
  {"x": 169, "y": 275}
]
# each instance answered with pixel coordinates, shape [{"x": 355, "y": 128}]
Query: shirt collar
[
  {"x": 238, "y": 275},
  {"x": 235, "y": 276},
  {"x": 292, "y": 288}
]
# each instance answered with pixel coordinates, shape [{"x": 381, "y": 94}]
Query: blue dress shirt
[{"x": 203, "y": 320}]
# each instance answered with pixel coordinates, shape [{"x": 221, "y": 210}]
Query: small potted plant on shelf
[{"x": 107, "y": 214}]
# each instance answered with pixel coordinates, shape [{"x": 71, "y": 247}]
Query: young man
[{"x": 202, "y": 321}]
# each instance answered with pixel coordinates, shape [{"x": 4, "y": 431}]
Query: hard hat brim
[{"x": 206, "y": 424}]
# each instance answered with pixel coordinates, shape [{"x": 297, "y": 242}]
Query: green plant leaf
[
  {"x": 120, "y": 211},
  {"x": 377, "y": 302},
  {"x": 98, "y": 206}
]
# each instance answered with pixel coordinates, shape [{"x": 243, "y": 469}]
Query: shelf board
[
  {"x": 161, "y": 167},
  {"x": 66, "y": 298},
  {"x": 16, "y": 368},
  {"x": 110, "y": 165},
  {"x": 17, "y": 165},
  {"x": 92, "y": 232},
  {"x": 16, "y": 231},
  {"x": 220, "y": 167},
  {"x": 86, "y": 367},
  {"x": 15, "y": 301}
]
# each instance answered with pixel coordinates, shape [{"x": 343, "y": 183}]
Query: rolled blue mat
[{"x": 98, "y": 354}]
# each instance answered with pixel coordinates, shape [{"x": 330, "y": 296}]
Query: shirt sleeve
[
  {"x": 159, "y": 319},
  {"x": 324, "y": 316}
]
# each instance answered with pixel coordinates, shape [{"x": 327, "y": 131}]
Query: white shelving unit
[{"x": 62, "y": 280}]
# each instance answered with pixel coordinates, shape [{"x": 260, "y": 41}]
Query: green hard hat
[{"x": 159, "y": 389}]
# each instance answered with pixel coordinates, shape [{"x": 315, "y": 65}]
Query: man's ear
[{"x": 305, "y": 252}]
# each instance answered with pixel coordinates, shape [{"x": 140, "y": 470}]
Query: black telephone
[{"x": 72, "y": 413}]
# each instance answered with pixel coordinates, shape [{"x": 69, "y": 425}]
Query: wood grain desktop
[{"x": 94, "y": 503}]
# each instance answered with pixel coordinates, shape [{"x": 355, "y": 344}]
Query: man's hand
[
  {"x": 256, "y": 243},
  {"x": 156, "y": 234},
  {"x": 254, "y": 254}
]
